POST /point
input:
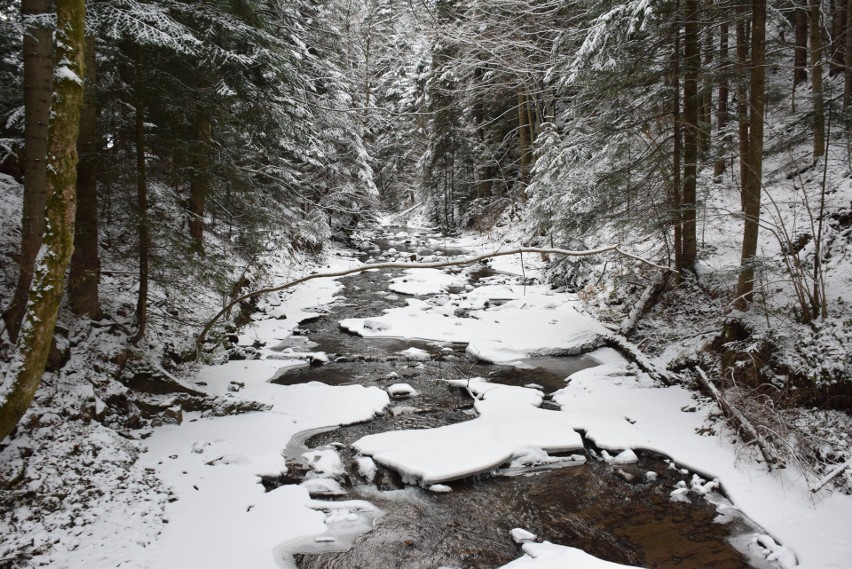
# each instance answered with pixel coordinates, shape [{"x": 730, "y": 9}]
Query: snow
[
  {"x": 537, "y": 324},
  {"x": 226, "y": 504},
  {"x": 400, "y": 390},
  {"x": 219, "y": 498},
  {"x": 220, "y": 515},
  {"x": 550, "y": 556},
  {"x": 520, "y": 535},
  {"x": 425, "y": 281},
  {"x": 667, "y": 420},
  {"x": 510, "y": 422}
]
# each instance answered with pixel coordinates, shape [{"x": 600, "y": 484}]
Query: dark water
[{"x": 615, "y": 513}]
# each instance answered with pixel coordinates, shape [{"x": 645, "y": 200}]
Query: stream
[{"x": 615, "y": 512}]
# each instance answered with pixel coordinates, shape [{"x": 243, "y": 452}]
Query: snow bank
[{"x": 620, "y": 410}]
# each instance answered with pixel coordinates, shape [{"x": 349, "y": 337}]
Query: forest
[{"x": 681, "y": 169}]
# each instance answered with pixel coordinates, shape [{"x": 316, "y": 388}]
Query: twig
[{"x": 733, "y": 413}]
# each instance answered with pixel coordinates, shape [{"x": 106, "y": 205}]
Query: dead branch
[
  {"x": 733, "y": 413},
  {"x": 634, "y": 354},
  {"x": 831, "y": 476},
  {"x": 641, "y": 305},
  {"x": 439, "y": 265}
]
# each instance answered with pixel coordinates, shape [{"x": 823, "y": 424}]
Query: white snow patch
[
  {"x": 551, "y": 556},
  {"x": 510, "y": 422}
]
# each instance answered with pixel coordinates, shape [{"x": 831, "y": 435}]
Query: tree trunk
[
  {"x": 33, "y": 343},
  {"x": 847, "y": 57},
  {"x": 691, "y": 103},
  {"x": 677, "y": 150},
  {"x": 198, "y": 184},
  {"x": 142, "y": 208},
  {"x": 38, "y": 87},
  {"x": 838, "y": 37},
  {"x": 85, "y": 270},
  {"x": 742, "y": 101},
  {"x": 722, "y": 110},
  {"x": 800, "y": 51},
  {"x": 751, "y": 193},
  {"x": 816, "y": 79},
  {"x": 523, "y": 144},
  {"x": 705, "y": 120}
]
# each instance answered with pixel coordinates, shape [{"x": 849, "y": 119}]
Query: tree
[
  {"x": 816, "y": 78},
  {"x": 753, "y": 160},
  {"x": 38, "y": 86},
  {"x": 691, "y": 103},
  {"x": 85, "y": 271},
  {"x": 36, "y": 333}
]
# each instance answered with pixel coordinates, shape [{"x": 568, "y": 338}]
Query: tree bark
[
  {"x": 38, "y": 88},
  {"x": 838, "y": 37},
  {"x": 33, "y": 343},
  {"x": 847, "y": 57},
  {"x": 742, "y": 101},
  {"x": 800, "y": 51},
  {"x": 141, "y": 207},
  {"x": 85, "y": 272},
  {"x": 523, "y": 144},
  {"x": 751, "y": 192},
  {"x": 816, "y": 79},
  {"x": 722, "y": 110},
  {"x": 677, "y": 152},
  {"x": 198, "y": 184},
  {"x": 705, "y": 119},
  {"x": 691, "y": 103}
]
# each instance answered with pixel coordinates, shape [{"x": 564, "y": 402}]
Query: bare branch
[{"x": 439, "y": 265}]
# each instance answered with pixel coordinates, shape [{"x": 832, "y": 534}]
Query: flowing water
[{"x": 613, "y": 512}]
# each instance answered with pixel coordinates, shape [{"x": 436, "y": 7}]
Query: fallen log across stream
[{"x": 199, "y": 342}]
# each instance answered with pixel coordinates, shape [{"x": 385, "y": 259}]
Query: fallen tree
[{"x": 437, "y": 265}]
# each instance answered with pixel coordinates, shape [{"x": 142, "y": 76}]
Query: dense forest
[{"x": 157, "y": 157}]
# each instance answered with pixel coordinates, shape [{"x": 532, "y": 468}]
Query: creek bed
[{"x": 613, "y": 512}]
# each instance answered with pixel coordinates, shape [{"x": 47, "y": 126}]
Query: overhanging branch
[{"x": 438, "y": 265}]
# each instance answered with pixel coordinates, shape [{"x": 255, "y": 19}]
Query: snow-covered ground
[
  {"x": 618, "y": 408},
  {"x": 218, "y": 514}
]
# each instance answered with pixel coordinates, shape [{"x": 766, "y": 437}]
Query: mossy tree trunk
[{"x": 34, "y": 340}]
